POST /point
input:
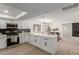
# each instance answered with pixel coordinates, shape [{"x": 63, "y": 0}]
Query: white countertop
[{"x": 44, "y": 35}]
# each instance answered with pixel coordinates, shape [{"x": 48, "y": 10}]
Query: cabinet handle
[{"x": 45, "y": 43}]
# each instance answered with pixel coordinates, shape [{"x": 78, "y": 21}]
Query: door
[{"x": 67, "y": 30}]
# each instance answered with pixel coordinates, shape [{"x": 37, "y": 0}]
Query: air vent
[{"x": 70, "y": 6}]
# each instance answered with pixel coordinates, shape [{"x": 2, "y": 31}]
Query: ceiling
[
  {"x": 68, "y": 16},
  {"x": 36, "y": 9},
  {"x": 9, "y": 12}
]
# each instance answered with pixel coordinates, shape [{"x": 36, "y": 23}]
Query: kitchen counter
[
  {"x": 45, "y": 42},
  {"x": 41, "y": 34},
  {"x": 44, "y": 35}
]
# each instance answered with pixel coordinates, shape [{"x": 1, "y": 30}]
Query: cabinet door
[
  {"x": 3, "y": 26},
  {"x": 30, "y": 39},
  {"x": 37, "y": 40},
  {"x": 22, "y": 38},
  {"x": 44, "y": 43},
  {"x": 3, "y": 43},
  {"x": 50, "y": 45},
  {"x": 27, "y": 37}
]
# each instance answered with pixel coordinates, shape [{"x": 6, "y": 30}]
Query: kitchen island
[{"x": 46, "y": 42}]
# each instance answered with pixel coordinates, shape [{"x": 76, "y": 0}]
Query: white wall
[
  {"x": 64, "y": 28},
  {"x": 29, "y": 24},
  {"x": 67, "y": 30},
  {"x": 67, "y": 33}
]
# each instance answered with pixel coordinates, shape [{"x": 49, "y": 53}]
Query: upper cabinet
[
  {"x": 23, "y": 26},
  {"x": 2, "y": 25},
  {"x": 19, "y": 26}
]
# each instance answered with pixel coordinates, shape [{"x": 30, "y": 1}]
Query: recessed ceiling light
[
  {"x": 22, "y": 14},
  {"x": 5, "y": 11}
]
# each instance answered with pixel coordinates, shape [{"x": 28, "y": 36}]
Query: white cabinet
[
  {"x": 27, "y": 37},
  {"x": 38, "y": 41},
  {"x": 46, "y": 43},
  {"x": 3, "y": 25},
  {"x": 22, "y": 38},
  {"x": 3, "y": 42},
  {"x": 19, "y": 26},
  {"x": 34, "y": 41},
  {"x": 31, "y": 39},
  {"x": 49, "y": 45}
]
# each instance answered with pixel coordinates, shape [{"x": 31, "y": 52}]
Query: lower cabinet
[
  {"x": 37, "y": 41},
  {"x": 49, "y": 45},
  {"x": 30, "y": 39},
  {"x": 3, "y": 42},
  {"x": 22, "y": 38},
  {"x": 27, "y": 37},
  {"x": 45, "y": 43},
  {"x": 34, "y": 41}
]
